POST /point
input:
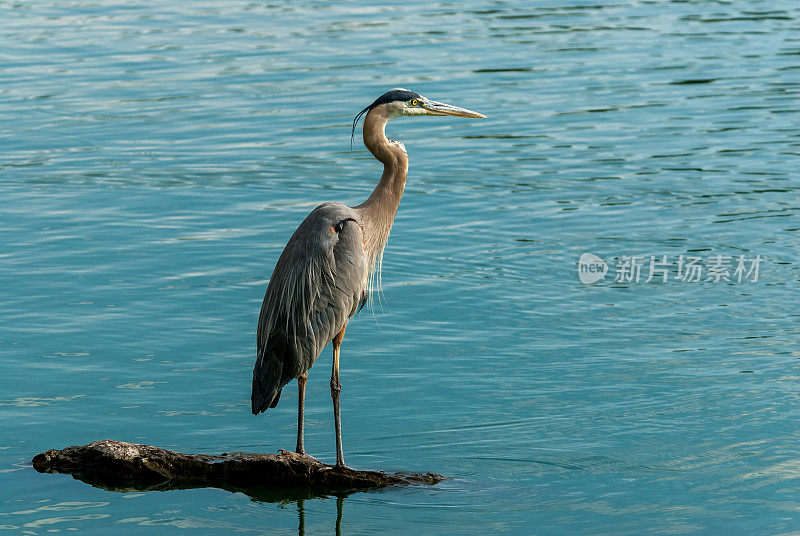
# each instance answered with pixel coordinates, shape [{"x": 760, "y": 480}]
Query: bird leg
[
  {"x": 301, "y": 403},
  {"x": 336, "y": 388}
]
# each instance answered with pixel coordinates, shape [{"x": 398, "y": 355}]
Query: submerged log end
[{"x": 120, "y": 465}]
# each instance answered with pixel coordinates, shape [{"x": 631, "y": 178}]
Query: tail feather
[
  {"x": 277, "y": 397},
  {"x": 267, "y": 377}
]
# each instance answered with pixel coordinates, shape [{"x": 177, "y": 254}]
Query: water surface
[{"x": 155, "y": 159}]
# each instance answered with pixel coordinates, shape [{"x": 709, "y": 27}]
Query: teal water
[{"x": 154, "y": 158}]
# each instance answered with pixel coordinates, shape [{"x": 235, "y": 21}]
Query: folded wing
[{"x": 318, "y": 283}]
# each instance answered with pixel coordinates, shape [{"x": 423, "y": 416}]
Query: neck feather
[{"x": 379, "y": 209}]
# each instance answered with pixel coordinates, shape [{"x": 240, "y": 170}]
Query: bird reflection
[
  {"x": 339, "y": 509},
  {"x": 301, "y": 516}
]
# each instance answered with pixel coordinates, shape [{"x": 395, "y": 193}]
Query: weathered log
[{"x": 121, "y": 466}]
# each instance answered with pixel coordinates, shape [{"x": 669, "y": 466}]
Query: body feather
[{"x": 318, "y": 283}]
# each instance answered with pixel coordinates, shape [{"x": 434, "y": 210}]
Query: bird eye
[{"x": 414, "y": 102}]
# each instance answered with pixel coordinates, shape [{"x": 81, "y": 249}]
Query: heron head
[{"x": 400, "y": 102}]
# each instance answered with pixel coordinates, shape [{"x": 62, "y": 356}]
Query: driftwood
[{"x": 121, "y": 466}]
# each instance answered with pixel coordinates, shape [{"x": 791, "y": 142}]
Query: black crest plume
[{"x": 397, "y": 94}]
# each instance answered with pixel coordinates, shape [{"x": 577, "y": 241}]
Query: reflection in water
[
  {"x": 339, "y": 509},
  {"x": 301, "y": 515},
  {"x": 256, "y": 493}
]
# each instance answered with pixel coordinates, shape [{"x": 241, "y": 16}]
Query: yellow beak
[{"x": 440, "y": 108}]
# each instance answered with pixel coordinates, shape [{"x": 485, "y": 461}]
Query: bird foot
[{"x": 338, "y": 467}]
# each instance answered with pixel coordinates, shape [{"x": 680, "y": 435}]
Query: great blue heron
[{"x": 326, "y": 270}]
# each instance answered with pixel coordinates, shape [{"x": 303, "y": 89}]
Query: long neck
[{"x": 379, "y": 209}]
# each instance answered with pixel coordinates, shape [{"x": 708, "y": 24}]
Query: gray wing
[{"x": 318, "y": 283}]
